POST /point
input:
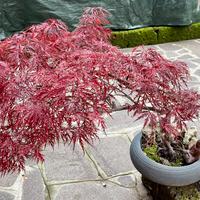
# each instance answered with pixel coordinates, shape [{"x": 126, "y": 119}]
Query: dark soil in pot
[{"x": 172, "y": 150}]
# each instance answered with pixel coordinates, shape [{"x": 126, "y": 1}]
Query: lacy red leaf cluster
[{"x": 55, "y": 85}]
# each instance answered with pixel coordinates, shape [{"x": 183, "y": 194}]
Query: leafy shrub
[{"x": 55, "y": 85}]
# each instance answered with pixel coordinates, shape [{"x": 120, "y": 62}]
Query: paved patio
[{"x": 104, "y": 171}]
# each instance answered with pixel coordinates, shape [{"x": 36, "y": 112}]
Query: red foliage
[{"x": 55, "y": 85}]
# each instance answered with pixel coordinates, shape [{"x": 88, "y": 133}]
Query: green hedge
[{"x": 154, "y": 35}]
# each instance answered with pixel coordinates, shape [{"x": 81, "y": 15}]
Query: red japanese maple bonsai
[{"x": 55, "y": 85}]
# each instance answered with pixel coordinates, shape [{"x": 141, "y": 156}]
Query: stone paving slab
[
  {"x": 95, "y": 191},
  {"x": 9, "y": 180},
  {"x": 121, "y": 122},
  {"x": 6, "y": 196},
  {"x": 196, "y": 60},
  {"x": 64, "y": 163},
  {"x": 33, "y": 186},
  {"x": 192, "y": 45},
  {"x": 126, "y": 180},
  {"x": 112, "y": 155}
]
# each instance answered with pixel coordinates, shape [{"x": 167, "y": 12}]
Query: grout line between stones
[
  {"x": 136, "y": 183},
  {"x": 52, "y": 183},
  {"x": 100, "y": 171},
  {"x": 42, "y": 171},
  {"x": 123, "y": 186},
  {"x": 7, "y": 189}
]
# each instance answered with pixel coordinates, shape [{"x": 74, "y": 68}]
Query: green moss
[
  {"x": 145, "y": 36},
  {"x": 151, "y": 152},
  {"x": 155, "y": 35},
  {"x": 171, "y": 34},
  {"x": 195, "y": 31},
  {"x": 189, "y": 192},
  {"x": 185, "y": 193},
  {"x": 118, "y": 39},
  {"x": 177, "y": 163}
]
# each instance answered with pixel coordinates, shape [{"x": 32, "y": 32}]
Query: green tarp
[{"x": 15, "y": 15}]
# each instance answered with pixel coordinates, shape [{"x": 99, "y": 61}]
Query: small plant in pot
[{"x": 55, "y": 85}]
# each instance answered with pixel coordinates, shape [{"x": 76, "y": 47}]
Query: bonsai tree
[{"x": 56, "y": 85}]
